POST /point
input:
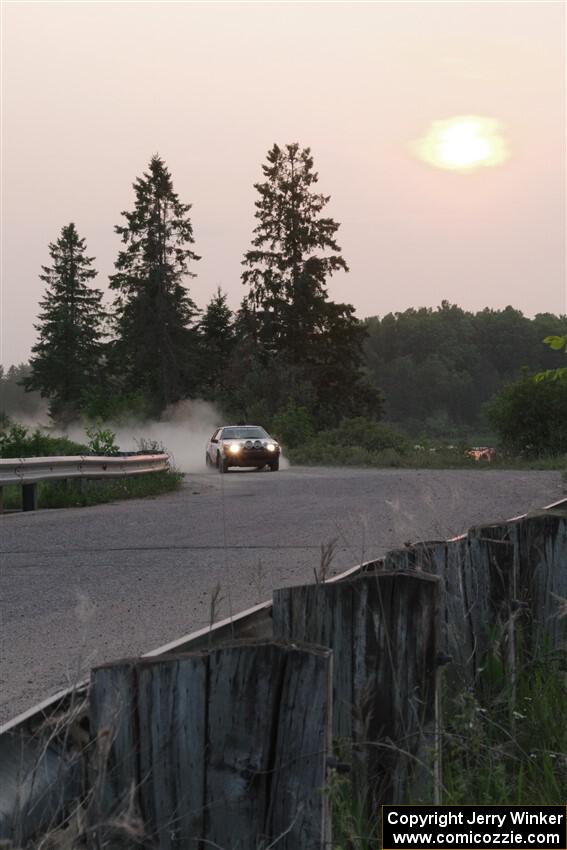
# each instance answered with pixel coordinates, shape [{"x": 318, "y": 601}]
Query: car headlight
[
  {"x": 271, "y": 447},
  {"x": 234, "y": 449}
]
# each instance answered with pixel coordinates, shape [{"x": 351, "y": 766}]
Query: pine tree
[
  {"x": 66, "y": 359},
  {"x": 218, "y": 339},
  {"x": 157, "y": 338},
  {"x": 294, "y": 251},
  {"x": 217, "y": 326},
  {"x": 314, "y": 344}
]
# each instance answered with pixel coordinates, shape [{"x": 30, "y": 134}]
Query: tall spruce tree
[
  {"x": 217, "y": 333},
  {"x": 66, "y": 359},
  {"x": 157, "y": 344},
  {"x": 294, "y": 250},
  {"x": 315, "y": 342}
]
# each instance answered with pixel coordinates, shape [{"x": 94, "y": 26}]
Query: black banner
[{"x": 480, "y": 827}]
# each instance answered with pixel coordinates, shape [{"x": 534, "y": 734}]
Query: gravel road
[{"x": 85, "y": 585}]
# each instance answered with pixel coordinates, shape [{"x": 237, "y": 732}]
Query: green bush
[
  {"x": 388, "y": 457},
  {"x": 355, "y": 442},
  {"x": 17, "y": 441},
  {"x": 373, "y": 436},
  {"x": 531, "y": 417},
  {"x": 293, "y": 426},
  {"x": 102, "y": 440}
]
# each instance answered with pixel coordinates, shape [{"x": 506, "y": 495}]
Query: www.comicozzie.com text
[{"x": 456, "y": 827}]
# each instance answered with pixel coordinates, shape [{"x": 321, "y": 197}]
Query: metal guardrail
[
  {"x": 31, "y": 470},
  {"x": 28, "y": 472}
]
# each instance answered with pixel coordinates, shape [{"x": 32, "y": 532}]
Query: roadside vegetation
[
  {"x": 500, "y": 746},
  {"x": 365, "y": 443},
  {"x": 17, "y": 441},
  {"x": 82, "y": 493},
  {"x": 431, "y": 456},
  {"x": 503, "y": 745}
]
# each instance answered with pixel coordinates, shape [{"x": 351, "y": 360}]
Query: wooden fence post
[
  {"x": 497, "y": 577},
  {"x": 383, "y": 629},
  {"x": 540, "y": 543},
  {"x": 172, "y": 715},
  {"x": 227, "y": 748},
  {"x": 515, "y": 576},
  {"x": 113, "y": 767}
]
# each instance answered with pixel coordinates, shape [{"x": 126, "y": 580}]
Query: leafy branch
[{"x": 556, "y": 343}]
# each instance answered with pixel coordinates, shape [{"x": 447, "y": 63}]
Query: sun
[{"x": 463, "y": 143}]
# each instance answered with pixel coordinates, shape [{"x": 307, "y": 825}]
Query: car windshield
[{"x": 244, "y": 434}]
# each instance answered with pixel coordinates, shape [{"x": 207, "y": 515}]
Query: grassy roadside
[
  {"x": 80, "y": 494},
  {"x": 500, "y": 746},
  {"x": 366, "y": 443},
  {"x": 504, "y": 745},
  {"x": 316, "y": 453}
]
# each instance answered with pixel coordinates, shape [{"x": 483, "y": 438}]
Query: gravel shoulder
[{"x": 82, "y": 586}]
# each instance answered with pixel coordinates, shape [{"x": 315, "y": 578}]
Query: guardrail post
[{"x": 29, "y": 497}]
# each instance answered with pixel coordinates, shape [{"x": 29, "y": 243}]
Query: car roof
[{"x": 243, "y": 426}]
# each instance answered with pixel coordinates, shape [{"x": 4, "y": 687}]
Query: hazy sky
[{"x": 92, "y": 90}]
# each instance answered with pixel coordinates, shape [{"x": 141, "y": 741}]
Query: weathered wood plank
[
  {"x": 383, "y": 629},
  {"x": 498, "y": 576},
  {"x": 488, "y": 587},
  {"x": 515, "y": 576},
  {"x": 242, "y": 701},
  {"x": 114, "y": 775},
  {"x": 226, "y": 748},
  {"x": 172, "y": 731},
  {"x": 397, "y": 663},
  {"x": 450, "y": 560},
  {"x": 268, "y": 721},
  {"x": 459, "y": 644},
  {"x": 541, "y": 564},
  {"x": 297, "y": 807}
]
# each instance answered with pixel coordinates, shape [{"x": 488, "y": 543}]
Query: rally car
[{"x": 242, "y": 445}]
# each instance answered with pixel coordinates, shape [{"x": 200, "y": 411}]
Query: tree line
[
  {"x": 288, "y": 354},
  {"x": 439, "y": 368},
  {"x": 287, "y": 344}
]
